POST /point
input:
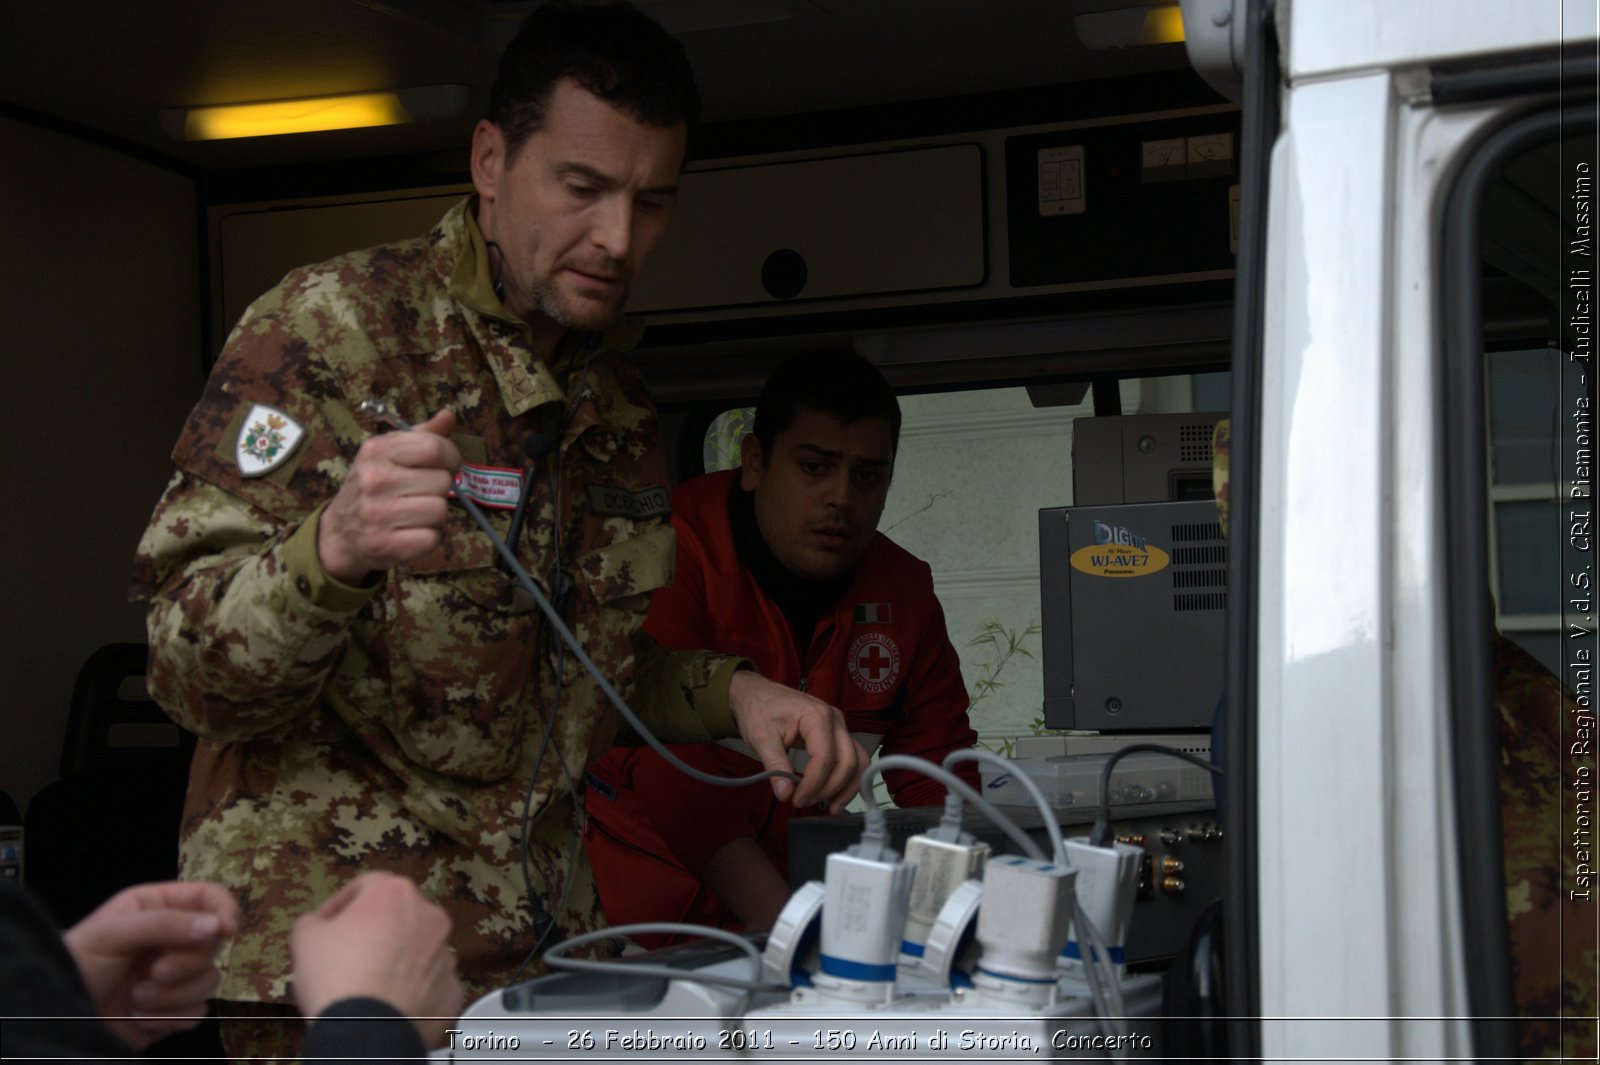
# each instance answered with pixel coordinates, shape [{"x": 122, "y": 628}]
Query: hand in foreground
[
  {"x": 773, "y": 717},
  {"x": 378, "y": 938},
  {"x": 392, "y": 505},
  {"x": 147, "y": 956}
]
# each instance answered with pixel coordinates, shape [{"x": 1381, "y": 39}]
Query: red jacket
[{"x": 881, "y": 656}]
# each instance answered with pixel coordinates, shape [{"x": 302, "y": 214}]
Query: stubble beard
[{"x": 588, "y": 315}]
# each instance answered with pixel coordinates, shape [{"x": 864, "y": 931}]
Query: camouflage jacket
[{"x": 397, "y": 726}]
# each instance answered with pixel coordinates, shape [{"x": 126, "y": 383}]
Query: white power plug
[
  {"x": 1108, "y": 883},
  {"x": 1023, "y": 924},
  {"x": 868, "y": 891}
]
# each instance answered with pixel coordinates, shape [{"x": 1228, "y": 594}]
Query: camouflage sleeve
[
  {"x": 245, "y": 626},
  {"x": 1221, "y": 446},
  {"x": 682, "y": 696},
  {"x": 1552, "y": 927}
]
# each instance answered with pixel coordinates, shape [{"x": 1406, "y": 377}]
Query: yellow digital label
[{"x": 1118, "y": 560}]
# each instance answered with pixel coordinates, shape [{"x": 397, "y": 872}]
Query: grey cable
[
  {"x": 593, "y": 670},
  {"x": 872, "y": 813},
  {"x": 1102, "y": 824},
  {"x": 1098, "y": 960},
  {"x": 1051, "y": 824},
  {"x": 556, "y": 958}
]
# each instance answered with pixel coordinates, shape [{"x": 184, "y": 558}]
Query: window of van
[
  {"x": 1530, "y": 452},
  {"x": 1519, "y": 328}
]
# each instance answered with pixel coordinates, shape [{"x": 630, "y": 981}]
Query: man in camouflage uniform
[
  {"x": 1554, "y": 959},
  {"x": 370, "y": 690}
]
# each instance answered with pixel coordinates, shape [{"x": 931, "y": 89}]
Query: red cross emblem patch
[{"x": 873, "y": 662}]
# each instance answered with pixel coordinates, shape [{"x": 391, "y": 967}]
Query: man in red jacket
[{"x": 780, "y": 561}]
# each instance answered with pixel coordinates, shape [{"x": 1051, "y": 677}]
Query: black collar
[{"x": 802, "y": 601}]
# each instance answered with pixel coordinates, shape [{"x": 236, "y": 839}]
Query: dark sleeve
[
  {"x": 43, "y": 1002},
  {"x": 365, "y": 1028}
]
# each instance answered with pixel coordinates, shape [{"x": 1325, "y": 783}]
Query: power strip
[
  {"x": 649, "y": 1018},
  {"x": 1039, "y": 748}
]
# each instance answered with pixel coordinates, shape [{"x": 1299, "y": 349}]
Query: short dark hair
[
  {"x": 840, "y": 383},
  {"x": 611, "y": 49}
]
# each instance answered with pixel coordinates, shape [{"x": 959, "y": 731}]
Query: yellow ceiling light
[
  {"x": 1162, "y": 25},
  {"x": 315, "y": 114},
  {"x": 310, "y": 115},
  {"x": 1128, "y": 26}
]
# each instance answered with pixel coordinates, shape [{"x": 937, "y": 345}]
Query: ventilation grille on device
[
  {"x": 1194, "y": 442},
  {"x": 1209, "y": 557}
]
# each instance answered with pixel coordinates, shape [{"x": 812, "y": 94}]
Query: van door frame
[{"x": 1241, "y": 928}]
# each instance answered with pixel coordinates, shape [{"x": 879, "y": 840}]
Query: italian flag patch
[
  {"x": 874, "y": 614},
  {"x": 499, "y": 487}
]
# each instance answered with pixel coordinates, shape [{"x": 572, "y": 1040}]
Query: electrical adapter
[
  {"x": 1023, "y": 924},
  {"x": 941, "y": 867},
  {"x": 1108, "y": 884},
  {"x": 868, "y": 891}
]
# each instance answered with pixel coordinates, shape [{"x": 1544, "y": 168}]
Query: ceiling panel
[{"x": 113, "y": 67}]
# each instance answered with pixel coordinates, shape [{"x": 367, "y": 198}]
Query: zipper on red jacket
[{"x": 813, "y": 650}]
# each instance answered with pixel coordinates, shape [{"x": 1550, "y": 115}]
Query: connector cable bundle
[
  {"x": 1104, "y": 986},
  {"x": 1102, "y": 824}
]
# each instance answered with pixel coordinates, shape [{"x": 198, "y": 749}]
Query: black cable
[
  {"x": 544, "y": 922},
  {"x": 535, "y": 446},
  {"x": 497, "y": 283},
  {"x": 1102, "y": 824}
]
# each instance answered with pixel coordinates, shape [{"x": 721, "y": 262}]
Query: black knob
[{"x": 783, "y": 275}]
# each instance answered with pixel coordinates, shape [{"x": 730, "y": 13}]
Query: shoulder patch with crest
[{"x": 267, "y": 437}]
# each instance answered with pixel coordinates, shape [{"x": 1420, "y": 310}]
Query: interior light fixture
[
  {"x": 315, "y": 114},
  {"x": 1127, "y": 26},
  {"x": 1163, "y": 24}
]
